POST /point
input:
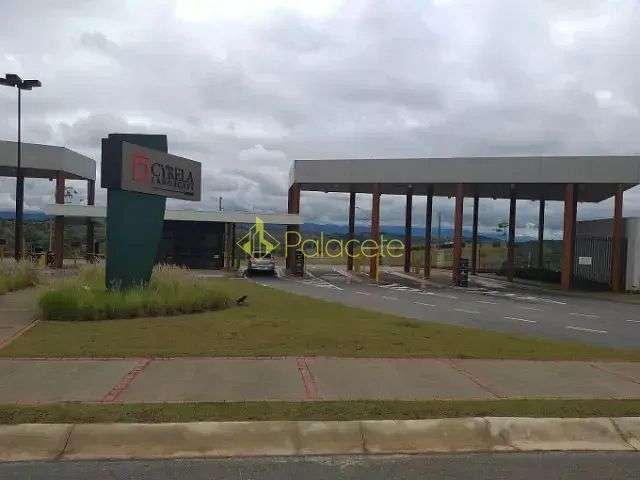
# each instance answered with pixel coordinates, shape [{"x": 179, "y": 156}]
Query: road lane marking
[
  {"x": 453, "y": 297},
  {"x": 487, "y": 302},
  {"x": 529, "y": 308},
  {"x": 582, "y": 329},
  {"x": 633, "y": 321},
  {"x": 557, "y": 302},
  {"x": 320, "y": 282},
  {"x": 389, "y": 298},
  {"x": 520, "y": 319},
  {"x": 588, "y": 315},
  {"x": 425, "y": 304},
  {"x": 363, "y": 293},
  {"x": 398, "y": 288},
  {"x": 465, "y": 311}
]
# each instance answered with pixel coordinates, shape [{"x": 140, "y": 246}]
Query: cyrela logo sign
[
  {"x": 160, "y": 174},
  {"x": 155, "y": 172}
]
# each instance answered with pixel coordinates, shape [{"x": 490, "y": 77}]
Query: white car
[{"x": 261, "y": 262}]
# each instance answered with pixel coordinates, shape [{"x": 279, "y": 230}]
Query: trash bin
[
  {"x": 463, "y": 273},
  {"x": 299, "y": 264}
]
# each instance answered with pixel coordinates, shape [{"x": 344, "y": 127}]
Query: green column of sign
[
  {"x": 134, "y": 220},
  {"x": 134, "y": 229}
]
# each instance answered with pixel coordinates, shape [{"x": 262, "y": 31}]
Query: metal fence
[{"x": 592, "y": 264}]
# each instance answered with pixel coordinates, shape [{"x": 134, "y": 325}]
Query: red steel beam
[
  {"x": 58, "y": 223},
  {"x": 541, "y": 234},
  {"x": 352, "y": 229},
  {"x": 427, "y": 233},
  {"x": 457, "y": 233},
  {"x": 474, "y": 241},
  {"x": 511, "y": 244},
  {"x": 375, "y": 232},
  {"x": 293, "y": 206},
  {"x": 616, "y": 246},
  {"x": 568, "y": 239},
  {"x": 407, "y": 230},
  {"x": 90, "y": 236}
]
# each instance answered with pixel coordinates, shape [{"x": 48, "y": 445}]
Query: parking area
[{"x": 494, "y": 307}]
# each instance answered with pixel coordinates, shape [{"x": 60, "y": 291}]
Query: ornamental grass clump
[
  {"x": 18, "y": 275},
  {"x": 171, "y": 291}
]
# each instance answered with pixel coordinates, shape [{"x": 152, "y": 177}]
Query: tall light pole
[{"x": 13, "y": 80}]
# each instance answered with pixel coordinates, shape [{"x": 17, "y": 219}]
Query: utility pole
[
  {"x": 13, "y": 80},
  {"x": 439, "y": 228}
]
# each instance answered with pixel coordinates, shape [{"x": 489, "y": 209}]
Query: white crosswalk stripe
[
  {"x": 399, "y": 288},
  {"x": 320, "y": 283}
]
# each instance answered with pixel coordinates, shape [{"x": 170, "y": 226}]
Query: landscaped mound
[
  {"x": 171, "y": 291},
  {"x": 17, "y": 275}
]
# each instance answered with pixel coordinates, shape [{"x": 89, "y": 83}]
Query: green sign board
[{"x": 139, "y": 175}]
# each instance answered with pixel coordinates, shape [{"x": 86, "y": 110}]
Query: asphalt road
[
  {"x": 512, "y": 466},
  {"x": 511, "y": 310}
]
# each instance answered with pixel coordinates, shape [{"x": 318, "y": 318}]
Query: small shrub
[
  {"x": 18, "y": 275},
  {"x": 60, "y": 305},
  {"x": 171, "y": 290}
]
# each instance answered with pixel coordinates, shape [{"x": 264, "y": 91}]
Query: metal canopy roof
[
  {"x": 80, "y": 213},
  {"x": 43, "y": 161},
  {"x": 489, "y": 177}
]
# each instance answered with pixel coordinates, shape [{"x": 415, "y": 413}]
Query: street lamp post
[{"x": 13, "y": 80}]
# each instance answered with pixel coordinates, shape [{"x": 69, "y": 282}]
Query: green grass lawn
[
  {"x": 18, "y": 275},
  {"x": 170, "y": 291},
  {"x": 278, "y": 323},
  {"x": 356, "y": 410}
]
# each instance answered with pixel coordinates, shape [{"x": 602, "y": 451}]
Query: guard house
[
  {"x": 570, "y": 179},
  {"x": 54, "y": 163},
  {"x": 194, "y": 239}
]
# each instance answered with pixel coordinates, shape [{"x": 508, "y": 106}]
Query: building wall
[
  {"x": 603, "y": 228},
  {"x": 192, "y": 244},
  {"x": 632, "y": 227}
]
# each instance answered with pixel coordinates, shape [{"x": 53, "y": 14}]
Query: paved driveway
[{"x": 511, "y": 310}]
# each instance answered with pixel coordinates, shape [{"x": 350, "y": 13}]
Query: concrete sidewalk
[
  {"x": 146, "y": 380},
  {"x": 17, "y": 313}
]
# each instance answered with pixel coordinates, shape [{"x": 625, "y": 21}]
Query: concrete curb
[{"x": 229, "y": 439}]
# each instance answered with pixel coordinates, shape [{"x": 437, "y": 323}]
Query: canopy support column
[
  {"x": 407, "y": 230},
  {"x": 457, "y": 233},
  {"x": 474, "y": 242},
  {"x": 90, "y": 239},
  {"x": 228, "y": 246},
  {"x": 616, "y": 247},
  {"x": 234, "y": 265},
  {"x": 569, "y": 236},
  {"x": 375, "y": 233},
  {"x": 292, "y": 230},
  {"x": 511, "y": 244},
  {"x": 58, "y": 225},
  {"x": 352, "y": 230},
  {"x": 427, "y": 233},
  {"x": 541, "y": 235}
]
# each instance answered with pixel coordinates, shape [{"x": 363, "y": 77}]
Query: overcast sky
[{"x": 246, "y": 86}]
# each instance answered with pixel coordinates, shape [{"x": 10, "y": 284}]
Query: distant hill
[
  {"x": 28, "y": 216},
  {"x": 328, "y": 229},
  {"x": 398, "y": 231}
]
